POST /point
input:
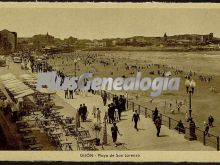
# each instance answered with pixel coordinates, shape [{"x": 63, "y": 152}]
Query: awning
[
  {"x": 27, "y": 93},
  {"x": 16, "y": 87},
  {"x": 19, "y": 92},
  {"x": 19, "y": 88},
  {"x": 29, "y": 78},
  {"x": 13, "y": 85}
]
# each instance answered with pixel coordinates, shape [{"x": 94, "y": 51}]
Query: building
[
  {"x": 42, "y": 40},
  {"x": 206, "y": 38},
  {"x": 139, "y": 39},
  {"x": 96, "y": 44},
  {"x": 188, "y": 39},
  {"x": 8, "y": 41},
  {"x": 119, "y": 42}
]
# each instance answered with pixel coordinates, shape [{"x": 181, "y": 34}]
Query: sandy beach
[{"x": 106, "y": 64}]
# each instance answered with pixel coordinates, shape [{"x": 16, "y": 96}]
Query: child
[{"x": 116, "y": 115}]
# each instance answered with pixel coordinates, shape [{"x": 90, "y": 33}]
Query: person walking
[
  {"x": 210, "y": 120},
  {"x": 94, "y": 111},
  {"x": 81, "y": 112},
  {"x": 84, "y": 112},
  {"x": 112, "y": 112},
  {"x": 119, "y": 112},
  {"x": 135, "y": 118},
  {"x": 66, "y": 93},
  {"x": 158, "y": 125},
  {"x": 71, "y": 94},
  {"x": 105, "y": 117},
  {"x": 180, "y": 127},
  {"x": 155, "y": 114},
  {"x": 178, "y": 107},
  {"x": 124, "y": 100},
  {"x": 98, "y": 115},
  {"x": 104, "y": 98},
  {"x": 115, "y": 132},
  {"x": 109, "y": 113},
  {"x": 206, "y": 128}
]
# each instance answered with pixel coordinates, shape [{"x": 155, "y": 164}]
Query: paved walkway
[{"x": 146, "y": 138}]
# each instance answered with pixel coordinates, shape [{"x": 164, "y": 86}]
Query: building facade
[
  {"x": 8, "y": 41},
  {"x": 187, "y": 39}
]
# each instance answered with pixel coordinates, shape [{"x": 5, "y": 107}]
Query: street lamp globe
[
  {"x": 192, "y": 85},
  {"x": 187, "y": 84}
]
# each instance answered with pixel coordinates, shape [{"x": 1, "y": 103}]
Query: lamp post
[
  {"x": 75, "y": 63},
  {"x": 190, "y": 131}
]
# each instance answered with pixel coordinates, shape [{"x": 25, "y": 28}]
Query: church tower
[{"x": 165, "y": 37}]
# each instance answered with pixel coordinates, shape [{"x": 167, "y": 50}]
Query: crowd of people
[
  {"x": 83, "y": 112},
  {"x": 118, "y": 104},
  {"x": 115, "y": 108}
]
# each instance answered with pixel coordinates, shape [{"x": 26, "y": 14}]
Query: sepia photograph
[{"x": 108, "y": 78}]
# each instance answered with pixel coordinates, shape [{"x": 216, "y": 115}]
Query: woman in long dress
[
  {"x": 115, "y": 132},
  {"x": 98, "y": 115},
  {"x": 94, "y": 111}
]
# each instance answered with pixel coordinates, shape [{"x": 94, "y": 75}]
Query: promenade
[{"x": 145, "y": 138}]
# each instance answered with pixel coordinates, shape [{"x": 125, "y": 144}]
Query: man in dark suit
[
  {"x": 84, "y": 112},
  {"x": 135, "y": 118},
  {"x": 155, "y": 114},
  {"x": 81, "y": 112},
  {"x": 158, "y": 125}
]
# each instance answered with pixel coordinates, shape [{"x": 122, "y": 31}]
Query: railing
[{"x": 207, "y": 140}]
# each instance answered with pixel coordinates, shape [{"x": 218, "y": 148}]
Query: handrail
[{"x": 170, "y": 119}]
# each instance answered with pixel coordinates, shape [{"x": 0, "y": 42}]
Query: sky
[{"x": 98, "y": 23}]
